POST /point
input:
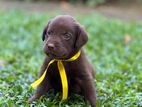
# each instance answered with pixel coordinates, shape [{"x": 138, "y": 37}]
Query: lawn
[{"x": 114, "y": 49}]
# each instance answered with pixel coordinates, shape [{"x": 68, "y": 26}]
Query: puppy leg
[
  {"x": 44, "y": 86},
  {"x": 89, "y": 91},
  {"x": 41, "y": 90}
]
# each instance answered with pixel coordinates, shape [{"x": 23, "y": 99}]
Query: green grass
[{"x": 118, "y": 66}]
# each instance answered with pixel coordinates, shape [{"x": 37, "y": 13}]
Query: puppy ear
[
  {"x": 44, "y": 33},
  {"x": 81, "y": 37},
  {"x": 45, "y": 30}
]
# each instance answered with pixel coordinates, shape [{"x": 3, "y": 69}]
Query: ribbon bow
[{"x": 62, "y": 73}]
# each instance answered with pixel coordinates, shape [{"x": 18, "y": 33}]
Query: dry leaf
[
  {"x": 127, "y": 39},
  {"x": 65, "y": 5}
]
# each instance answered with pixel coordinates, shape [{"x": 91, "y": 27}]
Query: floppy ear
[
  {"x": 81, "y": 37},
  {"x": 45, "y": 30}
]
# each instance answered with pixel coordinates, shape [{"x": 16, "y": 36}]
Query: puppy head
[{"x": 63, "y": 37}]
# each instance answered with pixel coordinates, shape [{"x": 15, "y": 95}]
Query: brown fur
[{"x": 63, "y": 37}]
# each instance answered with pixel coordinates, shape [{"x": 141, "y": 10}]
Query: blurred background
[
  {"x": 114, "y": 49},
  {"x": 124, "y": 9}
]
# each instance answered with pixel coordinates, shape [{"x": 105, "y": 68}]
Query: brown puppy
[{"x": 63, "y": 38}]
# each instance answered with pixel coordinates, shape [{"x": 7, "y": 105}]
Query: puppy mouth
[{"x": 54, "y": 55}]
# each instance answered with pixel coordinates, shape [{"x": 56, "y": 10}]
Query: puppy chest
[{"x": 55, "y": 79}]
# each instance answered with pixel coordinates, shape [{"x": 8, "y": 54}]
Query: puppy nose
[{"x": 50, "y": 46}]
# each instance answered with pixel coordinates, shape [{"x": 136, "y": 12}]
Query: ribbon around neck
[{"x": 62, "y": 73}]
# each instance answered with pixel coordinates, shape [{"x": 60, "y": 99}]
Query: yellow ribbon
[{"x": 62, "y": 75}]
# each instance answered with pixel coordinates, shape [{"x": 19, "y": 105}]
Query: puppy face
[{"x": 63, "y": 37}]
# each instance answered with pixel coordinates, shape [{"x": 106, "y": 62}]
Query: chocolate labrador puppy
[{"x": 63, "y": 37}]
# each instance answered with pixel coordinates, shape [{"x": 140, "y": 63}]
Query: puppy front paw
[{"x": 33, "y": 98}]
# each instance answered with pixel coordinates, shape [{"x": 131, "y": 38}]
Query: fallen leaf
[
  {"x": 65, "y": 5},
  {"x": 127, "y": 39}
]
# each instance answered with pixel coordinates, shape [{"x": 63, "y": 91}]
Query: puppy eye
[
  {"x": 66, "y": 36},
  {"x": 49, "y": 32}
]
